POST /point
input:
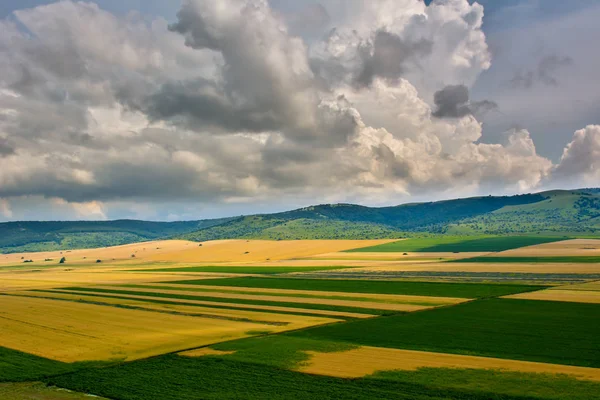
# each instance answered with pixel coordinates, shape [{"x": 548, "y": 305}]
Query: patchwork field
[
  {"x": 430, "y": 318},
  {"x": 71, "y": 331}
]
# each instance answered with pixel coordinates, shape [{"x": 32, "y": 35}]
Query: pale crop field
[
  {"x": 299, "y": 309},
  {"x": 15, "y": 280},
  {"x": 141, "y": 250},
  {"x": 409, "y": 303},
  {"x": 388, "y": 298},
  {"x": 260, "y": 250},
  {"x": 68, "y": 331},
  {"x": 288, "y": 320},
  {"x": 580, "y": 293},
  {"x": 367, "y": 360},
  {"x": 564, "y": 248}
]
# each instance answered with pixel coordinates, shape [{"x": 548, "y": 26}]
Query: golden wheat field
[
  {"x": 366, "y": 360},
  {"x": 71, "y": 331}
]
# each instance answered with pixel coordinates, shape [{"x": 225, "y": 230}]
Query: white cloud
[{"x": 227, "y": 107}]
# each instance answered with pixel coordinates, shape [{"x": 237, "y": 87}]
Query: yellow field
[
  {"x": 68, "y": 331},
  {"x": 573, "y": 247},
  {"x": 291, "y": 299},
  {"x": 390, "y": 298},
  {"x": 260, "y": 250},
  {"x": 396, "y": 256},
  {"x": 289, "y": 320},
  {"x": 368, "y": 360},
  {"x": 580, "y": 293},
  {"x": 10, "y": 281},
  {"x": 205, "y": 351},
  {"x": 248, "y": 306},
  {"x": 141, "y": 250}
]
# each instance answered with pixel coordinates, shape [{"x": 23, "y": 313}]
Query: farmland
[{"x": 304, "y": 319}]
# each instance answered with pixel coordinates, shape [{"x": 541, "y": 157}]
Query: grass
[
  {"x": 39, "y": 391},
  {"x": 445, "y": 244},
  {"x": 438, "y": 289},
  {"x": 237, "y": 301},
  {"x": 544, "y": 259},
  {"x": 173, "y": 377},
  {"x": 544, "y": 331},
  {"x": 244, "y": 270}
]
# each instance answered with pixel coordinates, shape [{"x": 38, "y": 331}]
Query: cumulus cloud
[
  {"x": 228, "y": 105},
  {"x": 580, "y": 160}
]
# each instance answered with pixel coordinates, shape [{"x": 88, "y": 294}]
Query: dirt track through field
[{"x": 366, "y": 360}]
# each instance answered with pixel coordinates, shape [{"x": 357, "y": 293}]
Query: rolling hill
[{"x": 572, "y": 212}]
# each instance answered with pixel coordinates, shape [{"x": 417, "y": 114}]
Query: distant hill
[
  {"x": 45, "y": 236},
  {"x": 573, "y": 212},
  {"x": 561, "y": 212}
]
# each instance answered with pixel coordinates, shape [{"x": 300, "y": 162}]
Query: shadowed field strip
[
  {"x": 368, "y": 360},
  {"x": 69, "y": 331},
  {"x": 269, "y": 318},
  {"x": 225, "y": 305},
  {"x": 286, "y": 299},
  {"x": 386, "y": 298}
]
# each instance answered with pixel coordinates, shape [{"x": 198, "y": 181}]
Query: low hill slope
[
  {"x": 47, "y": 236},
  {"x": 574, "y": 212}
]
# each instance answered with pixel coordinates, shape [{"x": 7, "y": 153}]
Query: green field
[
  {"x": 546, "y": 260},
  {"x": 245, "y": 270},
  {"x": 16, "y": 366},
  {"x": 544, "y": 331},
  {"x": 188, "y": 378},
  {"x": 442, "y": 289},
  {"x": 461, "y": 244}
]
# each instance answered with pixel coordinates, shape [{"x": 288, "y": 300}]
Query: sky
[{"x": 193, "y": 109}]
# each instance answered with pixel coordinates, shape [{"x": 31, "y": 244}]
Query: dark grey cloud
[
  {"x": 5, "y": 148},
  {"x": 453, "y": 102},
  {"x": 388, "y": 55},
  {"x": 545, "y": 72},
  {"x": 202, "y": 105}
]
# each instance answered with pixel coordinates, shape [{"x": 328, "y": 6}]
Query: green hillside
[
  {"x": 575, "y": 212},
  {"x": 45, "y": 236},
  {"x": 558, "y": 212}
]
